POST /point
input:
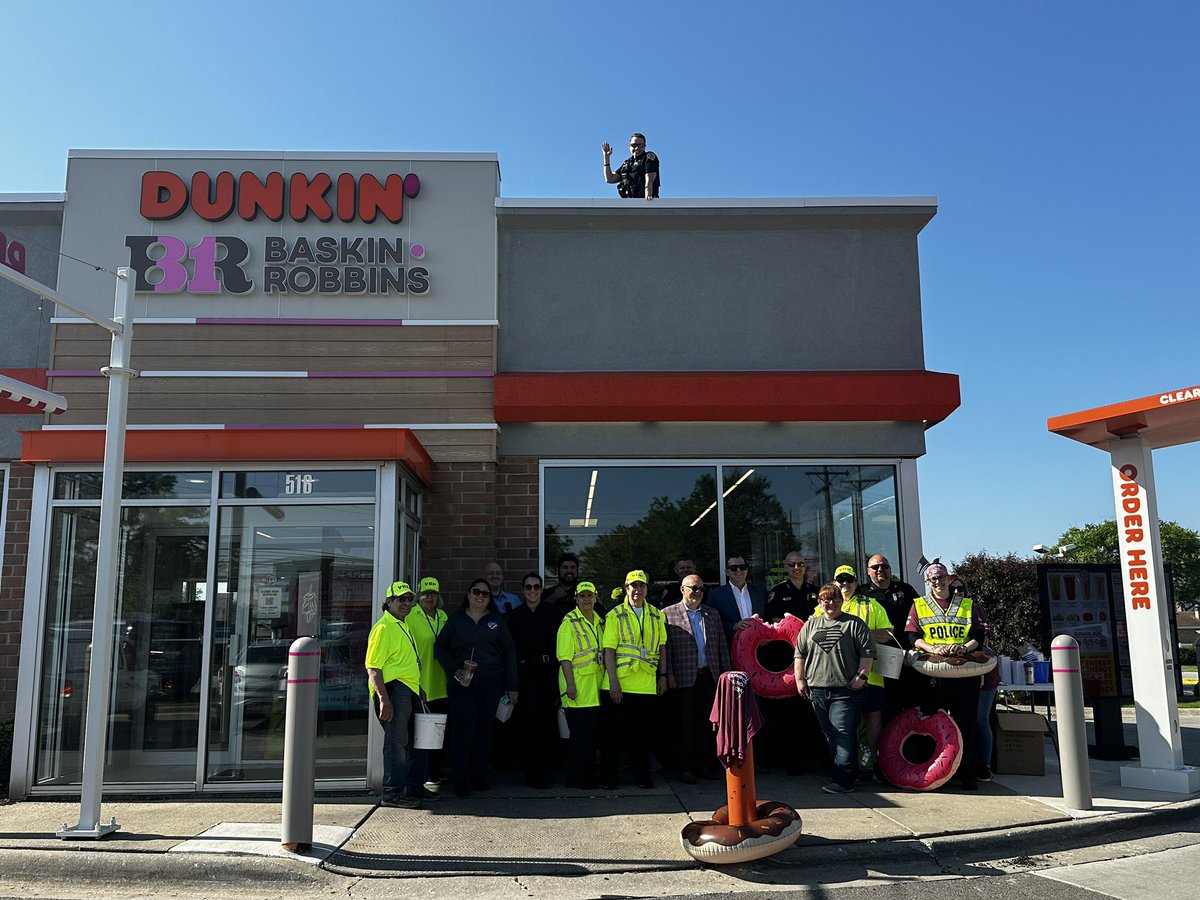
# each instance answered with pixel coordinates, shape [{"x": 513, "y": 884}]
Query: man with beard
[{"x": 563, "y": 593}]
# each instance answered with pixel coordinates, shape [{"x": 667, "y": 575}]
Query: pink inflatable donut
[
  {"x": 746, "y": 642},
  {"x": 929, "y": 774}
]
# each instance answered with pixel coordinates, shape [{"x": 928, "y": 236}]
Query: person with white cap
[
  {"x": 425, "y": 622},
  {"x": 580, "y": 654},
  {"x": 943, "y": 623},
  {"x": 635, "y": 637},
  {"x": 394, "y": 682}
]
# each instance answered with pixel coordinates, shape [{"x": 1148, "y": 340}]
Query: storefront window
[
  {"x": 620, "y": 516},
  {"x": 300, "y": 483},
  {"x": 278, "y": 569},
  {"x": 136, "y": 486},
  {"x": 617, "y": 517},
  {"x": 154, "y": 705},
  {"x": 836, "y": 514}
]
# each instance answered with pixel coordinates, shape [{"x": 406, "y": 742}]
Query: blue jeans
[
  {"x": 983, "y": 727},
  {"x": 837, "y": 712},
  {"x": 397, "y": 740}
]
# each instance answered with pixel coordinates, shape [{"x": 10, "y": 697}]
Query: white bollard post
[
  {"x": 299, "y": 744},
  {"x": 1072, "y": 736}
]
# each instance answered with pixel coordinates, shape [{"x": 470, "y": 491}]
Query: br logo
[{"x": 159, "y": 261}]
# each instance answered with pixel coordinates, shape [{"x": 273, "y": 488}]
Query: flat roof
[
  {"x": 921, "y": 202},
  {"x": 280, "y": 154},
  {"x": 1161, "y": 420}
]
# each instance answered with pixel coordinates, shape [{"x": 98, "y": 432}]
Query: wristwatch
[{"x": 859, "y": 676}]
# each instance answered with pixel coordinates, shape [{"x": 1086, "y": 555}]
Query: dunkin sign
[{"x": 228, "y": 261}]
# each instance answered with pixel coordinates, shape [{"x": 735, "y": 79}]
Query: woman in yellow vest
[
  {"x": 635, "y": 637},
  {"x": 580, "y": 655},
  {"x": 945, "y": 623},
  {"x": 425, "y": 622}
]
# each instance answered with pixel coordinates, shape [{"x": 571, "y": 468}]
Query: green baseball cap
[
  {"x": 398, "y": 589},
  {"x": 637, "y": 575},
  {"x": 846, "y": 570},
  {"x": 429, "y": 584},
  {"x": 585, "y": 587}
]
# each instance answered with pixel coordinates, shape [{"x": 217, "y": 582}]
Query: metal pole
[
  {"x": 299, "y": 744},
  {"x": 95, "y": 732},
  {"x": 1072, "y": 738}
]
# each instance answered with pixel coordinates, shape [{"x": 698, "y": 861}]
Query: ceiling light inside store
[{"x": 587, "y": 521}]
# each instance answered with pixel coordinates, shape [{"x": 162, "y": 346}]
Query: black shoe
[
  {"x": 610, "y": 785},
  {"x": 687, "y": 777},
  {"x": 462, "y": 788},
  {"x": 971, "y": 785},
  {"x": 647, "y": 784},
  {"x": 581, "y": 784},
  {"x": 402, "y": 802},
  {"x": 984, "y": 773},
  {"x": 537, "y": 783},
  {"x": 422, "y": 793},
  {"x": 479, "y": 783}
]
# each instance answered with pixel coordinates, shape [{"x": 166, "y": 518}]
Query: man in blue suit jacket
[{"x": 737, "y": 601}]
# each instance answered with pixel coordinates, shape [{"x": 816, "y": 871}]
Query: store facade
[{"x": 357, "y": 368}]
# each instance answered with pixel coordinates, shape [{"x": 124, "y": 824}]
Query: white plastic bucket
[
  {"x": 889, "y": 661},
  {"x": 564, "y": 730},
  {"x": 429, "y": 732}
]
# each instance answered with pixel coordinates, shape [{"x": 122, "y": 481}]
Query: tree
[
  {"x": 1097, "y": 543},
  {"x": 1007, "y": 587}
]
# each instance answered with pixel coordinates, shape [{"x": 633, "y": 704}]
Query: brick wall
[
  {"x": 475, "y": 512},
  {"x": 517, "y": 538},
  {"x": 12, "y": 582}
]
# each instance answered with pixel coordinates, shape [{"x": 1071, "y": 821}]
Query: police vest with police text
[{"x": 944, "y": 626}]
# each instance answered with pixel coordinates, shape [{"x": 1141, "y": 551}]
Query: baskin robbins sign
[
  {"x": 324, "y": 263},
  {"x": 285, "y": 235}
]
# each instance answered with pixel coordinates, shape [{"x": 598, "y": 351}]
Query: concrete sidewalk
[{"x": 625, "y": 843}]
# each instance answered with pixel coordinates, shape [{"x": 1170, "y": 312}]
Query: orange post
[{"x": 739, "y": 790}]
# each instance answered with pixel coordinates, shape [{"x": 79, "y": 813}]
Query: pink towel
[{"x": 736, "y": 717}]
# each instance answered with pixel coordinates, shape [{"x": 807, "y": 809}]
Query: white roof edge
[
  {"x": 33, "y": 198},
  {"x": 281, "y": 154},
  {"x": 711, "y": 202}
]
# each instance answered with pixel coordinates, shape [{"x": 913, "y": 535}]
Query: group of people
[{"x": 640, "y": 677}]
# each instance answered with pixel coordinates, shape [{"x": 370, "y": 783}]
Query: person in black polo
[
  {"x": 638, "y": 176},
  {"x": 896, "y": 597}
]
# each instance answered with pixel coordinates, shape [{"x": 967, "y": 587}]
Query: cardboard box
[{"x": 1020, "y": 743}]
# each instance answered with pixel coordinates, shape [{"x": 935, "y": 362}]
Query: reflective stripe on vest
[
  {"x": 629, "y": 648},
  {"x": 948, "y": 626},
  {"x": 587, "y": 652}
]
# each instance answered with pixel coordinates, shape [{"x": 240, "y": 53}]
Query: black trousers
[
  {"x": 960, "y": 698},
  {"x": 694, "y": 735},
  {"x": 627, "y": 728},
  {"x": 536, "y": 719},
  {"x": 584, "y": 722},
  {"x": 472, "y": 714}
]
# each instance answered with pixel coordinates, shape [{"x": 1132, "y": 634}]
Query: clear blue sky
[{"x": 1060, "y": 138}]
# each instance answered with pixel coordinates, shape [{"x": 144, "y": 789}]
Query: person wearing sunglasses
[
  {"x": 534, "y": 627},
  {"x": 943, "y": 623},
  {"x": 638, "y": 176},
  {"x": 425, "y": 622},
  {"x": 697, "y": 654},
  {"x": 896, "y": 597},
  {"x": 736, "y": 600},
  {"x": 477, "y": 651}
]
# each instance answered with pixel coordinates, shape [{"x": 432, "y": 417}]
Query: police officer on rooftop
[{"x": 637, "y": 177}]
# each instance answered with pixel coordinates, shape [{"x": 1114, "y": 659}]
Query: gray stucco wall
[{"x": 657, "y": 287}]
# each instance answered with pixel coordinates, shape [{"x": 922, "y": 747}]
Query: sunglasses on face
[
  {"x": 796, "y": 565},
  {"x": 738, "y": 568},
  {"x": 476, "y": 592},
  {"x": 879, "y": 567},
  {"x": 531, "y": 587},
  {"x": 697, "y": 588},
  {"x": 845, "y": 579}
]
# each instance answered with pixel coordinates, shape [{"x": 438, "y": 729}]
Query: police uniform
[{"x": 632, "y": 173}]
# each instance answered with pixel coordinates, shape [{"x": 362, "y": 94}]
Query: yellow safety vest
[
  {"x": 587, "y": 656},
  {"x": 636, "y": 643},
  {"x": 580, "y": 644},
  {"x": 944, "y": 626}
]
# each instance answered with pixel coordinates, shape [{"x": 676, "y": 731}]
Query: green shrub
[
  {"x": 1007, "y": 588},
  {"x": 1187, "y": 654}
]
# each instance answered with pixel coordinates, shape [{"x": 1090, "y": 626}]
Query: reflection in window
[
  {"x": 136, "y": 485},
  {"x": 615, "y": 518},
  {"x": 620, "y": 517}
]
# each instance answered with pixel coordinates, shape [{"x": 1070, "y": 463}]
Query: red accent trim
[
  {"x": 215, "y": 445},
  {"x": 888, "y": 396},
  {"x": 33, "y": 378}
]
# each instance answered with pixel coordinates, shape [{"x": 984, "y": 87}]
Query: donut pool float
[
  {"x": 776, "y": 827},
  {"x": 974, "y": 664},
  {"x": 757, "y": 652},
  {"x": 903, "y": 761}
]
